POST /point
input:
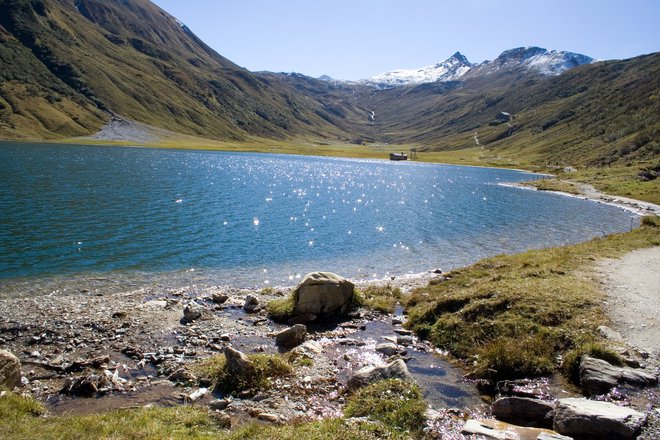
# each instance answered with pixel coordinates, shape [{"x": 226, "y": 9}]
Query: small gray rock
[
  {"x": 219, "y": 298},
  {"x": 387, "y": 348},
  {"x": 218, "y": 404},
  {"x": 292, "y": 336},
  {"x": 368, "y": 375},
  {"x": 251, "y": 304},
  {"x": 192, "y": 311},
  {"x": 523, "y": 410},
  {"x": 599, "y": 377},
  {"x": 197, "y": 394},
  {"x": 183, "y": 376},
  {"x": 237, "y": 362}
]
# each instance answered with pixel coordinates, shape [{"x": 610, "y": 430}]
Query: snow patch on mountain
[
  {"x": 556, "y": 62},
  {"x": 449, "y": 70}
]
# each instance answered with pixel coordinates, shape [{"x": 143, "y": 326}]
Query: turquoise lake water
[{"x": 261, "y": 219}]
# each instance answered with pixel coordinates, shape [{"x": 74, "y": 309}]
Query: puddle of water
[{"x": 161, "y": 394}]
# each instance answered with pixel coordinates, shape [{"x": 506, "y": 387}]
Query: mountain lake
[{"x": 123, "y": 216}]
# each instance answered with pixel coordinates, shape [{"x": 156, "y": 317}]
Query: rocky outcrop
[
  {"x": 599, "y": 377},
  {"x": 585, "y": 418},
  {"x": 10, "y": 370},
  {"x": 323, "y": 294},
  {"x": 292, "y": 336},
  {"x": 524, "y": 411},
  {"x": 369, "y": 375}
]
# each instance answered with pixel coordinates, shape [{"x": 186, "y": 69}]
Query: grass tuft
[
  {"x": 395, "y": 403},
  {"x": 282, "y": 309},
  {"x": 651, "y": 220},
  {"x": 265, "y": 369},
  {"x": 512, "y": 358},
  {"x": 380, "y": 298}
]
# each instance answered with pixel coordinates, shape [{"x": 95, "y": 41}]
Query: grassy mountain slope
[{"x": 133, "y": 59}]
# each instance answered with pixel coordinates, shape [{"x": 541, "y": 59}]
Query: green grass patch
[
  {"x": 512, "y": 358},
  {"x": 265, "y": 369},
  {"x": 380, "y": 298},
  {"x": 22, "y": 419},
  {"x": 512, "y": 315},
  {"x": 328, "y": 429},
  {"x": 395, "y": 403},
  {"x": 621, "y": 180},
  {"x": 282, "y": 309}
]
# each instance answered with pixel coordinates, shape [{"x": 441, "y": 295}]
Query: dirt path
[{"x": 632, "y": 284}]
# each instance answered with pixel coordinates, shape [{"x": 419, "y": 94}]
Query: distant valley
[{"x": 69, "y": 67}]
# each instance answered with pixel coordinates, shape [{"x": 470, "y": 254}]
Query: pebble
[{"x": 197, "y": 394}]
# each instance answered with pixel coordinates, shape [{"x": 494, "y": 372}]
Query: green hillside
[{"x": 131, "y": 58}]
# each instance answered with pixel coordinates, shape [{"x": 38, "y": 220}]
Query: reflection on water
[{"x": 130, "y": 216}]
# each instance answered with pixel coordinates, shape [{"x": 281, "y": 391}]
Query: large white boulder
[{"x": 323, "y": 294}]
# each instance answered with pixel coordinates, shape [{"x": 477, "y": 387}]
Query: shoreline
[{"x": 588, "y": 192}]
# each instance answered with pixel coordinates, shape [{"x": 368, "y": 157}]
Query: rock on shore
[
  {"x": 10, "y": 370},
  {"x": 322, "y": 294}
]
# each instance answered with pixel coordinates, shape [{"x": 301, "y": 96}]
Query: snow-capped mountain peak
[
  {"x": 457, "y": 67},
  {"x": 448, "y": 70},
  {"x": 543, "y": 61}
]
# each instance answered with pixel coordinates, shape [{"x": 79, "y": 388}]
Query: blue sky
[{"x": 353, "y": 39}]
